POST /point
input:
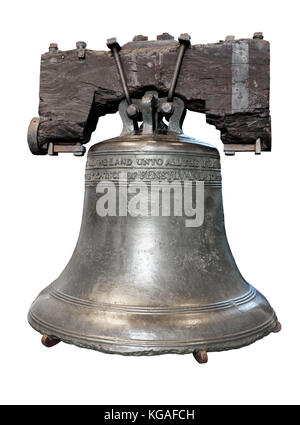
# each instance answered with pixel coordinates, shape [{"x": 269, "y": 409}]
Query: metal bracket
[
  {"x": 166, "y": 107},
  {"x": 52, "y": 148},
  {"x": 152, "y": 113},
  {"x": 76, "y": 150},
  {"x": 233, "y": 148}
]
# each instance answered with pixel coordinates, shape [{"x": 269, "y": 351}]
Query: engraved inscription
[
  {"x": 151, "y": 161},
  {"x": 97, "y": 175},
  {"x": 149, "y": 167}
]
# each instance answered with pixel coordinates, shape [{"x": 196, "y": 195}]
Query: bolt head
[
  {"x": 258, "y": 35},
  {"x": 167, "y": 108},
  {"x": 184, "y": 39},
  {"x": 113, "y": 43},
  {"x": 165, "y": 36},
  {"x": 132, "y": 111},
  {"x": 53, "y": 47},
  {"x": 81, "y": 44},
  {"x": 140, "y": 37}
]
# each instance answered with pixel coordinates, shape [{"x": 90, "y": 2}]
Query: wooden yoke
[{"x": 229, "y": 81}]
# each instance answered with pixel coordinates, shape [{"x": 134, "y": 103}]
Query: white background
[{"x": 41, "y": 207}]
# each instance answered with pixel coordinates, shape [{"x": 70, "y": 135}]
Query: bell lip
[
  {"x": 169, "y": 138},
  {"x": 139, "y": 347},
  {"x": 126, "y": 350}
]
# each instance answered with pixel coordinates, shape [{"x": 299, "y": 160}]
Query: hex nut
[
  {"x": 140, "y": 37},
  {"x": 53, "y": 47},
  {"x": 258, "y": 35},
  {"x": 184, "y": 39},
  {"x": 165, "y": 36},
  {"x": 81, "y": 45},
  {"x": 167, "y": 108},
  {"x": 132, "y": 111},
  {"x": 113, "y": 43}
]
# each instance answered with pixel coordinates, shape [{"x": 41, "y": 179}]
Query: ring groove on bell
[
  {"x": 250, "y": 295},
  {"x": 157, "y": 343}
]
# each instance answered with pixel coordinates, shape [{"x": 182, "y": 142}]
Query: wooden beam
[{"x": 228, "y": 81}]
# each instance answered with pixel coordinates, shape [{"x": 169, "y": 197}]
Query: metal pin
[
  {"x": 132, "y": 109},
  {"x": 184, "y": 40},
  {"x": 114, "y": 46}
]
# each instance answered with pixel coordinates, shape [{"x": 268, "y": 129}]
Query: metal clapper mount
[{"x": 151, "y": 109}]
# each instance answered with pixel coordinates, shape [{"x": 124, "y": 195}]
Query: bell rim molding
[{"x": 129, "y": 348}]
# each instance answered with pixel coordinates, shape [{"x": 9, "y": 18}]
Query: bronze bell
[
  {"x": 160, "y": 281},
  {"x": 144, "y": 285}
]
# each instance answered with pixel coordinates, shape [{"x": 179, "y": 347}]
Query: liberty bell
[{"x": 152, "y": 271}]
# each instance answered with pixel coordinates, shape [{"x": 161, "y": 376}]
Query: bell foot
[
  {"x": 48, "y": 341},
  {"x": 277, "y": 328},
  {"x": 201, "y": 356}
]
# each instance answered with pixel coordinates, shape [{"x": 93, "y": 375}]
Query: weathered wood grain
[{"x": 228, "y": 81}]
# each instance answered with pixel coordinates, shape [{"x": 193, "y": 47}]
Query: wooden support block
[{"x": 228, "y": 81}]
